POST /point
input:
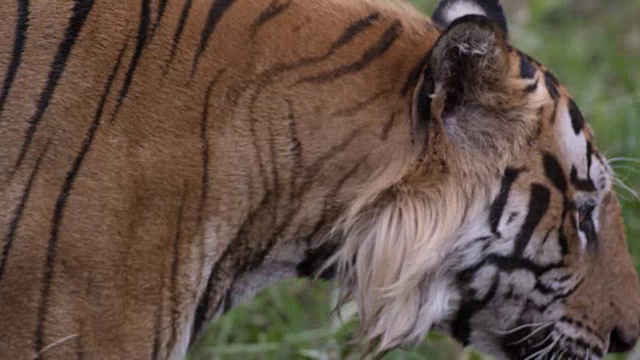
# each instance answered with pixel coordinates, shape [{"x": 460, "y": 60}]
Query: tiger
[{"x": 161, "y": 161}]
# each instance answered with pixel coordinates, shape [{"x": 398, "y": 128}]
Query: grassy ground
[{"x": 594, "y": 49}]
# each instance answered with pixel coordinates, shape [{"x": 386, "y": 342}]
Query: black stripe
[
  {"x": 204, "y": 141},
  {"x": 347, "y": 36},
  {"x": 227, "y": 303},
  {"x": 274, "y": 9},
  {"x": 157, "y": 327},
  {"x": 538, "y": 206},
  {"x": 498, "y": 205},
  {"x": 546, "y": 236},
  {"x": 354, "y": 29},
  {"x": 508, "y": 264},
  {"x": 414, "y": 76},
  {"x": 562, "y": 240},
  {"x": 61, "y": 204},
  {"x": 355, "y": 108},
  {"x": 461, "y": 325},
  {"x": 22, "y": 24},
  {"x": 275, "y": 174},
  {"x": 527, "y": 70},
  {"x": 217, "y": 10},
  {"x": 316, "y": 167},
  {"x": 315, "y": 259},
  {"x": 329, "y": 211},
  {"x": 156, "y": 23},
  {"x": 79, "y": 347},
  {"x": 17, "y": 215},
  {"x": 81, "y": 10},
  {"x": 554, "y": 173},
  {"x": 581, "y": 324},
  {"x": 243, "y": 252},
  {"x": 584, "y": 184},
  {"x": 184, "y": 15},
  {"x": 566, "y": 293},
  {"x": 141, "y": 39},
  {"x": 422, "y": 121},
  {"x": 372, "y": 53},
  {"x": 296, "y": 146},
  {"x": 581, "y": 184},
  {"x": 552, "y": 85},
  {"x": 200, "y": 316},
  {"x": 577, "y": 120},
  {"x": 554, "y": 114},
  {"x": 329, "y": 208},
  {"x": 205, "y": 308},
  {"x": 589, "y": 160},
  {"x": 461, "y": 328},
  {"x": 531, "y": 87},
  {"x": 388, "y": 125},
  {"x": 175, "y": 264}
]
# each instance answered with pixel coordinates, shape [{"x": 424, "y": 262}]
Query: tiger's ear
[
  {"x": 450, "y": 10},
  {"x": 465, "y": 77}
]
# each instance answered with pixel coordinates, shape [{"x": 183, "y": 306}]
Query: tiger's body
[
  {"x": 141, "y": 150},
  {"x": 160, "y": 160}
]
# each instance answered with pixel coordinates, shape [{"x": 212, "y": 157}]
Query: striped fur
[{"x": 162, "y": 160}]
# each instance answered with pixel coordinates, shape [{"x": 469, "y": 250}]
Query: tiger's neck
[{"x": 296, "y": 138}]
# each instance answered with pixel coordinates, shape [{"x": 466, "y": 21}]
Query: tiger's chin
[
  {"x": 550, "y": 345},
  {"x": 526, "y": 342}
]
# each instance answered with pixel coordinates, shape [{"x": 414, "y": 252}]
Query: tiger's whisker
[
  {"x": 621, "y": 159},
  {"x": 506, "y": 332},
  {"x": 532, "y": 334},
  {"x": 54, "y": 344},
  {"x": 626, "y": 187}
]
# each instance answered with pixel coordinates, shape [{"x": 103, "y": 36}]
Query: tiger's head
[{"x": 506, "y": 232}]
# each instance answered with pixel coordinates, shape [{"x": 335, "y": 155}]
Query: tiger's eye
[
  {"x": 584, "y": 212},
  {"x": 585, "y": 222}
]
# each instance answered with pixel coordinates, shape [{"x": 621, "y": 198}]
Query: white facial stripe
[
  {"x": 601, "y": 174},
  {"x": 461, "y": 8},
  {"x": 573, "y": 145}
]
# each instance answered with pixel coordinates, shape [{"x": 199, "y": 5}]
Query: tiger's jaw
[
  {"x": 558, "y": 338},
  {"x": 506, "y": 321}
]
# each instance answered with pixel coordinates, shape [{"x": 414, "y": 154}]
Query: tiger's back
[{"x": 153, "y": 152}]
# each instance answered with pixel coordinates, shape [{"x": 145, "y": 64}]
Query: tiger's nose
[{"x": 623, "y": 340}]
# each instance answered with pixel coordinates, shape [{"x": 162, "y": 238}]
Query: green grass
[{"x": 593, "y": 47}]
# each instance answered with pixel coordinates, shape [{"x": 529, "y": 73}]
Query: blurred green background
[{"x": 593, "y": 47}]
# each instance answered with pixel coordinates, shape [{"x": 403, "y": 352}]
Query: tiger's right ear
[{"x": 465, "y": 76}]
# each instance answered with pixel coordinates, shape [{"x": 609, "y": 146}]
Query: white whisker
[
  {"x": 626, "y": 187},
  {"x": 54, "y": 344},
  {"x": 539, "y": 343},
  {"x": 619, "y": 159},
  {"x": 626, "y": 167},
  {"x": 540, "y": 353},
  {"x": 532, "y": 334},
  {"x": 506, "y": 332}
]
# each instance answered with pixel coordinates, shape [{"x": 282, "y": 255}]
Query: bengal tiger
[{"x": 162, "y": 160}]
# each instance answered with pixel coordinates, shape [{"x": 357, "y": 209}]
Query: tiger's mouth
[{"x": 548, "y": 341}]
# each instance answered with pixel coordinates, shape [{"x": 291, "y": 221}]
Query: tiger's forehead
[{"x": 571, "y": 141}]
